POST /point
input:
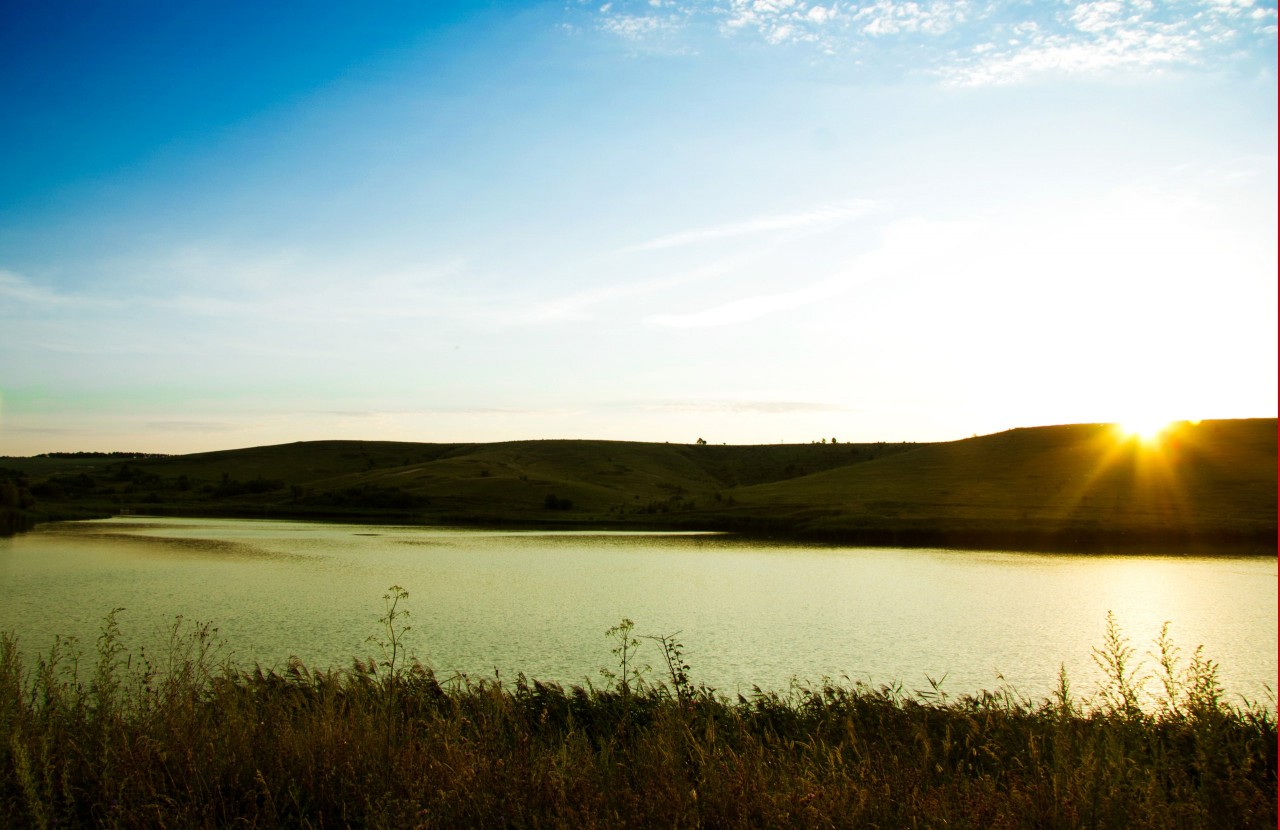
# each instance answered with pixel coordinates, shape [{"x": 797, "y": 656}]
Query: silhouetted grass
[{"x": 183, "y": 739}]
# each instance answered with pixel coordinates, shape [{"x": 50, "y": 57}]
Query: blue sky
[{"x": 227, "y": 225}]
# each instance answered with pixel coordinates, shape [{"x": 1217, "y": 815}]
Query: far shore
[
  {"x": 1204, "y": 488},
  {"x": 1097, "y": 542}
]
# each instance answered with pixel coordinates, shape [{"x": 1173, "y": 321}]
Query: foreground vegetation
[
  {"x": 184, "y": 740},
  {"x": 1205, "y": 487}
]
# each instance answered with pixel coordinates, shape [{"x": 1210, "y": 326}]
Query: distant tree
[
  {"x": 134, "y": 455},
  {"x": 553, "y": 502},
  {"x": 702, "y": 441}
]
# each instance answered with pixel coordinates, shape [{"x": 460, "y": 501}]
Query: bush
[{"x": 365, "y": 496}]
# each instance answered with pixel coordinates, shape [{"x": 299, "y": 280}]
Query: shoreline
[{"x": 1149, "y": 541}]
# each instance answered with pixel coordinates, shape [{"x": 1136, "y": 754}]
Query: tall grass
[{"x": 186, "y": 739}]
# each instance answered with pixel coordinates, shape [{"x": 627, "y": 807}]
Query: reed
[{"x": 187, "y": 738}]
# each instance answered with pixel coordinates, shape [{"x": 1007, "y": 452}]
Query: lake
[{"x": 749, "y": 613}]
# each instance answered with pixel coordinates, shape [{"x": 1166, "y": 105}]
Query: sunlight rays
[{"x": 1136, "y": 464}]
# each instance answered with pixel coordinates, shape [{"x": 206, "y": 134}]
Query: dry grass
[{"x": 185, "y": 740}]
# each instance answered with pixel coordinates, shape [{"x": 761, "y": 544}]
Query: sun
[{"x": 1145, "y": 428}]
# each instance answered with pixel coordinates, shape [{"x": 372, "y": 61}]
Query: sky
[{"x": 749, "y": 221}]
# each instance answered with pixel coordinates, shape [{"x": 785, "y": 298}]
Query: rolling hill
[{"x": 1208, "y": 485}]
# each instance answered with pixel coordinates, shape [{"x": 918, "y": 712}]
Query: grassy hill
[
  {"x": 1206, "y": 486},
  {"x": 1074, "y": 487}
]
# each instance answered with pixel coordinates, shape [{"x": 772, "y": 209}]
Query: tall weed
[{"x": 188, "y": 739}]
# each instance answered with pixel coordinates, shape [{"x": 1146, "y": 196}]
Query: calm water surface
[{"x": 749, "y": 613}]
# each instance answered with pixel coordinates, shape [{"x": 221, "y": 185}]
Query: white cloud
[
  {"x": 1230, "y": 6},
  {"x": 635, "y": 27},
  {"x": 886, "y": 17},
  {"x": 1097, "y": 17},
  {"x": 954, "y": 39},
  {"x": 1094, "y": 38},
  {"x": 778, "y": 21},
  {"x": 1059, "y": 55},
  {"x": 821, "y": 14}
]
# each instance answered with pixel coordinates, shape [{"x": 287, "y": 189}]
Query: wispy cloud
[
  {"x": 746, "y": 309},
  {"x": 245, "y": 288},
  {"x": 162, "y": 314},
  {"x": 192, "y": 426},
  {"x": 906, "y": 246},
  {"x": 804, "y": 220},
  {"x": 638, "y": 27},
  {"x": 766, "y": 407},
  {"x": 481, "y": 411},
  {"x": 585, "y": 304},
  {"x": 22, "y": 428},
  {"x": 19, "y": 294}
]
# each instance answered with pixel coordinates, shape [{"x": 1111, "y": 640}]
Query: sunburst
[{"x": 1145, "y": 428}]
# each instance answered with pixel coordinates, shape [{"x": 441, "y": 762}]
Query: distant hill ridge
[{"x": 1208, "y": 485}]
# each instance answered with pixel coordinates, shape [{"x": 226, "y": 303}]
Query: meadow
[{"x": 183, "y": 738}]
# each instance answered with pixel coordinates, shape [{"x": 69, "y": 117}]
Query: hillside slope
[{"x": 1077, "y": 487}]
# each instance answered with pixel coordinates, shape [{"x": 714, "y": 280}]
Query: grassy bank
[{"x": 181, "y": 739}]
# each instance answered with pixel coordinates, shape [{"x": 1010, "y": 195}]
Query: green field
[{"x": 1204, "y": 486}]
